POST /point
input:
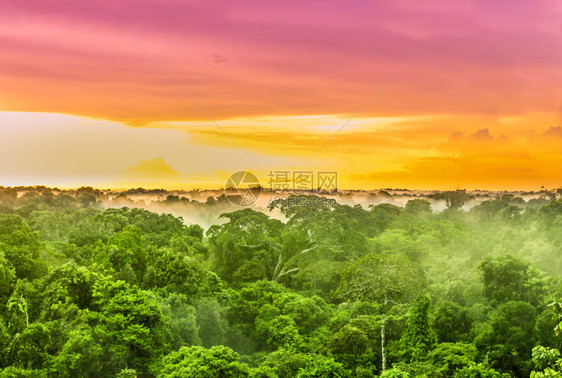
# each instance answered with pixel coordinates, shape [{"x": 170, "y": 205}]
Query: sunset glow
[{"x": 477, "y": 105}]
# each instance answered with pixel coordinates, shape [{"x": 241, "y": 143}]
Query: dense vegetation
[{"x": 332, "y": 291}]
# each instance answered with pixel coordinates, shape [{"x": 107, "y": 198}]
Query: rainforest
[{"x": 305, "y": 288}]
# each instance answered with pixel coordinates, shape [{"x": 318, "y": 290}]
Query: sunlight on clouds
[
  {"x": 155, "y": 169},
  {"x": 68, "y": 151},
  {"x": 421, "y": 152}
]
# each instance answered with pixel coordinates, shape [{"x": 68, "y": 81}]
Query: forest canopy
[{"x": 321, "y": 289}]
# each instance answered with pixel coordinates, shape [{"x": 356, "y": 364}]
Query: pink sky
[
  {"x": 290, "y": 57},
  {"x": 483, "y": 60}
]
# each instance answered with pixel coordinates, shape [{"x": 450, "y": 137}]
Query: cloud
[
  {"x": 555, "y": 131},
  {"x": 155, "y": 169},
  {"x": 481, "y": 160},
  {"x": 219, "y": 58},
  {"x": 459, "y": 143},
  {"x": 283, "y": 58},
  {"x": 482, "y": 134}
]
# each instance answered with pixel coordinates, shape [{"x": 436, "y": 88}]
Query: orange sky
[{"x": 477, "y": 106}]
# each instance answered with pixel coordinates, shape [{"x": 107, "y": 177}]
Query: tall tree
[
  {"x": 506, "y": 278},
  {"x": 385, "y": 279},
  {"x": 419, "y": 338}
]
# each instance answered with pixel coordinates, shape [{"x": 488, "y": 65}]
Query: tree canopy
[{"x": 306, "y": 288}]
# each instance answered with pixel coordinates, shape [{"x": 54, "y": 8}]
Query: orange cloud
[
  {"x": 155, "y": 169},
  {"x": 423, "y": 152},
  {"x": 481, "y": 160}
]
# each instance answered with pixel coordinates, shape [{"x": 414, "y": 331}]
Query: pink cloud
[{"x": 291, "y": 57}]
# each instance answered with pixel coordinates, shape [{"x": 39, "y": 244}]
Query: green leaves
[
  {"x": 198, "y": 362},
  {"x": 132, "y": 293},
  {"x": 506, "y": 278},
  {"x": 129, "y": 322},
  {"x": 419, "y": 337},
  {"x": 21, "y": 246},
  {"x": 557, "y": 307},
  {"x": 245, "y": 249},
  {"x": 384, "y": 279}
]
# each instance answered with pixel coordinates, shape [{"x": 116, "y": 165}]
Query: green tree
[
  {"x": 196, "y": 361},
  {"x": 323, "y": 368},
  {"x": 418, "y": 207},
  {"x": 450, "y": 357},
  {"x": 384, "y": 279},
  {"x": 452, "y": 322},
  {"x": 81, "y": 355},
  {"x": 356, "y": 345},
  {"x": 506, "y": 278},
  {"x": 21, "y": 247},
  {"x": 7, "y": 281},
  {"x": 509, "y": 339},
  {"x": 180, "y": 322},
  {"x": 211, "y": 321},
  {"x": 547, "y": 361},
  {"x": 419, "y": 337},
  {"x": 246, "y": 248},
  {"x": 129, "y": 324}
]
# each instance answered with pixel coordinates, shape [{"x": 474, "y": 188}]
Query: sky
[{"x": 180, "y": 94}]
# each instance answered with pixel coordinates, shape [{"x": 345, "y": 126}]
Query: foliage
[
  {"x": 313, "y": 289},
  {"x": 216, "y": 362}
]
